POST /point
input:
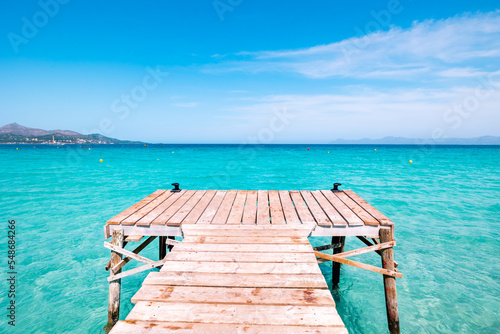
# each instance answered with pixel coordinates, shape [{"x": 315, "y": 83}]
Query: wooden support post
[
  {"x": 162, "y": 247},
  {"x": 338, "y": 247},
  {"x": 114, "y": 286},
  {"x": 170, "y": 246},
  {"x": 391, "y": 300}
]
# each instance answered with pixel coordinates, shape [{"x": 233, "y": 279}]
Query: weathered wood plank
[
  {"x": 315, "y": 208},
  {"x": 301, "y": 207},
  {"x": 200, "y": 207},
  {"x": 249, "y": 233},
  {"x": 277, "y": 216},
  {"x": 258, "y": 248},
  {"x": 163, "y": 218},
  {"x": 236, "y": 214},
  {"x": 160, "y": 327},
  {"x": 250, "y": 211},
  {"x": 237, "y": 314},
  {"x": 310, "y": 281},
  {"x": 134, "y": 238},
  {"x": 224, "y": 295},
  {"x": 359, "y": 265},
  {"x": 271, "y": 257},
  {"x": 211, "y": 210},
  {"x": 351, "y": 217},
  {"x": 245, "y": 240},
  {"x": 368, "y": 249},
  {"x": 370, "y": 209},
  {"x": 222, "y": 214},
  {"x": 172, "y": 198},
  {"x": 263, "y": 217},
  {"x": 134, "y": 218},
  {"x": 123, "y": 262},
  {"x": 179, "y": 216},
  {"x": 333, "y": 215},
  {"x": 358, "y": 210},
  {"x": 127, "y": 253},
  {"x": 242, "y": 268},
  {"x": 291, "y": 216},
  {"x": 122, "y": 215}
]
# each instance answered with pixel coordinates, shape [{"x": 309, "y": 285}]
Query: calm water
[{"x": 446, "y": 206}]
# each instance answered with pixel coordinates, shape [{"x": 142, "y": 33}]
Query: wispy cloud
[{"x": 457, "y": 46}]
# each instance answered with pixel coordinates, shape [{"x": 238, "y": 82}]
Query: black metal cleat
[
  {"x": 176, "y": 188},
  {"x": 336, "y": 187}
]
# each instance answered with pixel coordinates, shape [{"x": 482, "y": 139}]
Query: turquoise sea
[{"x": 446, "y": 206}]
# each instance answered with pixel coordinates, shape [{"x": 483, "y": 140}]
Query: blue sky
[{"x": 248, "y": 71}]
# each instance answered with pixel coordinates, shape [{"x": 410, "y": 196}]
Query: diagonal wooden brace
[{"x": 336, "y": 258}]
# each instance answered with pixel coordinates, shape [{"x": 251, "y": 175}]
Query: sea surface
[{"x": 446, "y": 207}]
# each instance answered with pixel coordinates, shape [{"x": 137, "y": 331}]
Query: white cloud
[{"x": 426, "y": 48}]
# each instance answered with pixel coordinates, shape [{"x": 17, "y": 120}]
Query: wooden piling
[
  {"x": 114, "y": 286},
  {"x": 162, "y": 247},
  {"x": 338, "y": 247},
  {"x": 391, "y": 300}
]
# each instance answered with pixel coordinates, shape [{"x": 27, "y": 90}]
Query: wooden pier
[{"x": 244, "y": 263}]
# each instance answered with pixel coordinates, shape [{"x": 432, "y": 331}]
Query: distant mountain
[
  {"x": 485, "y": 140},
  {"x": 15, "y": 133}
]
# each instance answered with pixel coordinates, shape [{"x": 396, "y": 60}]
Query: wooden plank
[
  {"x": 134, "y": 218},
  {"x": 163, "y": 218},
  {"x": 250, "y": 211},
  {"x": 310, "y": 281},
  {"x": 271, "y": 257},
  {"x": 368, "y": 249},
  {"x": 259, "y": 248},
  {"x": 136, "y": 270},
  {"x": 236, "y": 215},
  {"x": 333, "y": 215},
  {"x": 178, "y": 217},
  {"x": 348, "y": 214},
  {"x": 291, "y": 216},
  {"x": 173, "y": 197},
  {"x": 123, "y": 262},
  {"x": 302, "y": 227},
  {"x": 370, "y": 209},
  {"x": 220, "y": 217},
  {"x": 301, "y": 207},
  {"x": 160, "y": 327},
  {"x": 358, "y": 210},
  {"x": 277, "y": 217},
  {"x": 359, "y": 265},
  {"x": 127, "y": 253},
  {"x": 198, "y": 210},
  {"x": 223, "y": 295},
  {"x": 212, "y": 208},
  {"x": 237, "y": 314},
  {"x": 249, "y": 233},
  {"x": 262, "y": 208},
  {"x": 134, "y": 238},
  {"x": 245, "y": 240},
  {"x": 242, "y": 268},
  {"x": 122, "y": 215},
  {"x": 314, "y": 207}
]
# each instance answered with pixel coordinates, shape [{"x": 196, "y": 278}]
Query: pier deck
[{"x": 245, "y": 263}]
